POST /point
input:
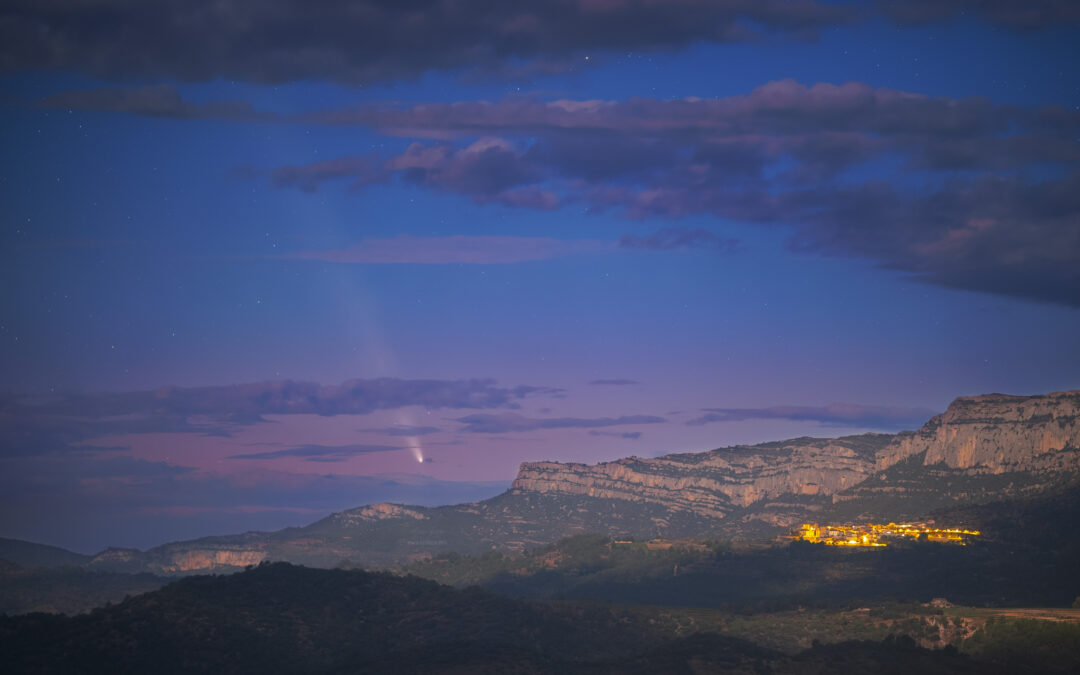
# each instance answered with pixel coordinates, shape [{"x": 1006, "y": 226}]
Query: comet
[{"x": 415, "y": 446}]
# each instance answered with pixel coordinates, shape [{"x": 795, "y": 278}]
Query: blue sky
[{"x": 225, "y": 239}]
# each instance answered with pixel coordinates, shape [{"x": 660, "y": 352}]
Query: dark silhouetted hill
[
  {"x": 29, "y": 554},
  {"x": 278, "y": 618}
]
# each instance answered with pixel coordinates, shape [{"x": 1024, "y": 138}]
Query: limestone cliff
[
  {"x": 991, "y": 434},
  {"x": 714, "y": 483},
  {"x": 996, "y": 433},
  {"x": 203, "y": 559}
]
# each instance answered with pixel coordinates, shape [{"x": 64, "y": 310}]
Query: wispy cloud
[
  {"x": 455, "y": 250},
  {"x": 402, "y": 430},
  {"x": 319, "y": 453},
  {"x": 848, "y": 414},
  {"x": 512, "y": 422},
  {"x": 632, "y": 435},
  {"x": 675, "y": 238}
]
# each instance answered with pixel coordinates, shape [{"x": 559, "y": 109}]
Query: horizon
[{"x": 261, "y": 264}]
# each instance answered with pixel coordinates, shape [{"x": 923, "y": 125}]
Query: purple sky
[{"x": 261, "y": 262}]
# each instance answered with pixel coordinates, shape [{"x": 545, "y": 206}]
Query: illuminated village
[{"x": 875, "y": 535}]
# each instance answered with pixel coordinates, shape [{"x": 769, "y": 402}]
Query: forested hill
[{"x": 279, "y": 618}]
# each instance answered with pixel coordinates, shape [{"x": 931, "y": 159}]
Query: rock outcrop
[
  {"x": 375, "y": 512},
  {"x": 201, "y": 559}
]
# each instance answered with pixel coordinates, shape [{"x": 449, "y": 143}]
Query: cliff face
[
  {"x": 714, "y": 483},
  {"x": 992, "y": 434},
  {"x": 201, "y": 559},
  {"x": 997, "y": 434}
]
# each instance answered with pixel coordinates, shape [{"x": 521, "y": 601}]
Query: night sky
[{"x": 266, "y": 259}]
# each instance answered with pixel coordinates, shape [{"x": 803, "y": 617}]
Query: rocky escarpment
[
  {"x": 715, "y": 483},
  {"x": 995, "y": 434},
  {"x": 983, "y": 448}
]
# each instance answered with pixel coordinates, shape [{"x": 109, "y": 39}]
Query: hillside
[
  {"x": 1029, "y": 557},
  {"x": 1026, "y": 556},
  {"x": 28, "y": 554},
  {"x": 67, "y": 590}
]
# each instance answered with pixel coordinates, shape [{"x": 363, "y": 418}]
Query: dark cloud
[
  {"x": 614, "y": 382},
  {"x": 674, "y": 238},
  {"x": 65, "y": 423},
  {"x": 632, "y": 435},
  {"x": 1022, "y": 14},
  {"x": 290, "y": 397},
  {"x": 41, "y": 428},
  {"x": 159, "y": 100},
  {"x": 273, "y": 41},
  {"x": 968, "y": 194},
  {"x": 847, "y": 414},
  {"x": 992, "y": 234},
  {"x": 490, "y": 170},
  {"x": 789, "y": 154},
  {"x": 485, "y": 423},
  {"x": 319, "y": 453}
]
